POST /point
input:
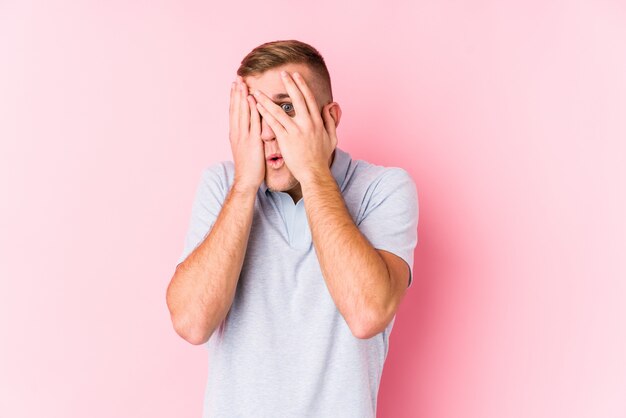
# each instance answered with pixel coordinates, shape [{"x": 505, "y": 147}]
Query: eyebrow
[{"x": 280, "y": 96}]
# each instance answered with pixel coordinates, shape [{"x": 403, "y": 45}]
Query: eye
[{"x": 287, "y": 107}]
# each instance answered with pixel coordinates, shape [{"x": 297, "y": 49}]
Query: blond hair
[{"x": 277, "y": 53}]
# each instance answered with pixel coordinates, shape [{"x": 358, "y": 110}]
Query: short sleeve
[
  {"x": 389, "y": 220},
  {"x": 209, "y": 198}
]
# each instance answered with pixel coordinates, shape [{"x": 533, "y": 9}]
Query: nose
[{"x": 267, "y": 134}]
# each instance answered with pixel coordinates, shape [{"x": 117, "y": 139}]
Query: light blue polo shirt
[{"x": 284, "y": 349}]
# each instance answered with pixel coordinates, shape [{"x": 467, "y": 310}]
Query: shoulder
[
  {"x": 370, "y": 187},
  {"x": 371, "y": 177},
  {"x": 219, "y": 175}
]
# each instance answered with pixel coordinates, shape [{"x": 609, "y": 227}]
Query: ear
[{"x": 335, "y": 112}]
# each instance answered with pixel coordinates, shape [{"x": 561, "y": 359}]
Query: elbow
[
  {"x": 366, "y": 331},
  {"x": 183, "y": 324},
  {"x": 362, "y": 333},
  {"x": 368, "y": 326},
  {"x": 185, "y": 329},
  {"x": 196, "y": 339}
]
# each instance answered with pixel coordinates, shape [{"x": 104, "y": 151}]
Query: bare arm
[
  {"x": 202, "y": 289},
  {"x": 366, "y": 284},
  {"x": 357, "y": 276}
]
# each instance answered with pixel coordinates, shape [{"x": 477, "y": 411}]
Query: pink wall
[{"x": 510, "y": 118}]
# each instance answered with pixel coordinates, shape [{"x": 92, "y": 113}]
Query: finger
[
  {"x": 275, "y": 111},
  {"x": 309, "y": 97},
  {"x": 329, "y": 125},
  {"x": 294, "y": 94},
  {"x": 255, "y": 118},
  {"x": 244, "y": 110},
  {"x": 276, "y": 126},
  {"x": 233, "y": 86},
  {"x": 234, "y": 110}
]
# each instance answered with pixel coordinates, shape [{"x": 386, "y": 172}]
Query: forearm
[
  {"x": 203, "y": 286},
  {"x": 356, "y": 276}
]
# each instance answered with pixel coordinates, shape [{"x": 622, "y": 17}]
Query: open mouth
[{"x": 275, "y": 160}]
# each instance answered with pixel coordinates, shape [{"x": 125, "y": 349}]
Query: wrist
[
  {"x": 315, "y": 175},
  {"x": 244, "y": 188}
]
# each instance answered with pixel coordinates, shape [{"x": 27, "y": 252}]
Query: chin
[{"x": 281, "y": 183}]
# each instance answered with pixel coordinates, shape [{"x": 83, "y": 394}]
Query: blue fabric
[{"x": 284, "y": 350}]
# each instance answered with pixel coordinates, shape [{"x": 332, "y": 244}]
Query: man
[{"x": 297, "y": 256}]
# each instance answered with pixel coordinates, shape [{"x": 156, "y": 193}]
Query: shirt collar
[{"x": 338, "y": 168}]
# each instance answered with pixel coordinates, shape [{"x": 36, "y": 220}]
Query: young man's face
[{"x": 277, "y": 175}]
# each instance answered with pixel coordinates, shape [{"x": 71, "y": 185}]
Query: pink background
[{"x": 510, "y": 116}]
